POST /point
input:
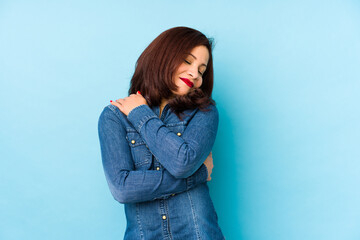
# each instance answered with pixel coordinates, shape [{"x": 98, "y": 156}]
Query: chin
[{"x": 181, "y": 93}]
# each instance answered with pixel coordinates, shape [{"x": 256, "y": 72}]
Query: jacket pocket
[{"x": 141, "y": 155}]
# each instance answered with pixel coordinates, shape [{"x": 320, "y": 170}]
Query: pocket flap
[{"x": 134, "y": 139}]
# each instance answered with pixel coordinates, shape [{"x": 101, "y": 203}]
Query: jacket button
[
  {"x": 133, "y": 141},
  {"x": 164, "y": 217},
  {"x": 179, "y": 134},
  {"x": 173, "y": 194},
  {"x": 158, "y": 168}
]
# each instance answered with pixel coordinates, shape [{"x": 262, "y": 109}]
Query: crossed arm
[
  {"x": 182, "y": 156},
  {"x": 126, "y": 184}
]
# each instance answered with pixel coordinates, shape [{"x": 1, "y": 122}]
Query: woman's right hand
[{"x": 209, "y": 165}]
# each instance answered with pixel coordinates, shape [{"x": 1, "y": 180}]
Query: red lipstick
[{"x": 187, "y": 82}]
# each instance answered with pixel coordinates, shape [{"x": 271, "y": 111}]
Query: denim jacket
[{"x": 154, "y": 165}]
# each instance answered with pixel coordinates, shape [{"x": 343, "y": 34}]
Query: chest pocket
[{"x": 140, "y": 153}]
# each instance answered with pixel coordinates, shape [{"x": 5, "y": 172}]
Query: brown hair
[{"x": 155, "y": 67}]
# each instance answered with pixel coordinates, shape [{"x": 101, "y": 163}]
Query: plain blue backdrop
[{"x": 287, "y": 88}]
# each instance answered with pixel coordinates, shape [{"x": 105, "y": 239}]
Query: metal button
[
  {"x": 164, "y": 217},
  {"x": 173, "y": 194},
  {"x": 133, "y": 141},
  {"x": 158, "y": 168},
  {"x": 179, "y": 134}
]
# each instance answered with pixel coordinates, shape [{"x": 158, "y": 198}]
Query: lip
[{"x": 187, "y": 82}]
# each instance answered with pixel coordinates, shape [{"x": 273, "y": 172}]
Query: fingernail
[
  {"x": 110, "y": 100},
  {"x": 138, "y": 92}
]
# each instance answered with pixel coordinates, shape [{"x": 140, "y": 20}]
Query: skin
[{"x": 192, "y": 68}]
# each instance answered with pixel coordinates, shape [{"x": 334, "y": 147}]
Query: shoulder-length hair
[{"x": 155, "y": 68}]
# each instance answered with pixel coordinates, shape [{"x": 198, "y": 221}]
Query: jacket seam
[
  {"x": 194, "y": 216},
  {"x": 139, "y": 222}
]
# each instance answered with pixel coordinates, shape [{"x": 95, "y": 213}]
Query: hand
[
  {"x": 129, "y": 103},
  {"x": 209, "y": 165}
]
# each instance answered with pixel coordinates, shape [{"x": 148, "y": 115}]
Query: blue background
[{"x": 287, "y": 88}]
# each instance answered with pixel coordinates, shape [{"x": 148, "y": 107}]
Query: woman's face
[{"x": 188, "y": 76}]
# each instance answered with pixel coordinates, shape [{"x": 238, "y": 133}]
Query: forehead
[{"x": 201, "y": 53}]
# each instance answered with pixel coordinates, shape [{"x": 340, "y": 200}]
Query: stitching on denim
[
  {"x": 113, "y": 109},
  {"x": 135, "y": 147},
  {"x": 130, "y": 130},
  {"x": 189, "y": 182},
  {"x": 194, "y": 216},
  {"x": 138, "y": 140},
  {"x": 136, "y": 108},
  {"x": 168, "y": 220},
  {"x": 175, "y": 124},
  {"x": 163, "y": 211},
  {"x": 139, "y": 222},
  {"x": 144, "y": 120}
]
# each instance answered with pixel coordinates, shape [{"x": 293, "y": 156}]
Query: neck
[
  {"x": 162, "y": 105},
  {"x": 163, "y": 102}
]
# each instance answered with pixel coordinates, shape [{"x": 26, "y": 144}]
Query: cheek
[
  {"x": 199, "y": 83},
  {"x": 181, "y": 68},
  {"x": 178, "y": 82}
]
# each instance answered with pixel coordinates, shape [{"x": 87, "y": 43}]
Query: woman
[{"x": 156, "y": 144}]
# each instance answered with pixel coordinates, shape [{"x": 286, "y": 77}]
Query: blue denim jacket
[{"x": 155, "y": 167}]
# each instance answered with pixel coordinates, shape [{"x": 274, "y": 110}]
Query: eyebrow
[{"x": 196, "y": 58}]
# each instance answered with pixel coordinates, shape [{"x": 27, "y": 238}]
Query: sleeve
[
  {"x": 183, "y": 155},
  {"x": 126, "y": 184}
]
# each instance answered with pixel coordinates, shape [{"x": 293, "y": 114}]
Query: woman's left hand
[{"x": 129, "y": 103}]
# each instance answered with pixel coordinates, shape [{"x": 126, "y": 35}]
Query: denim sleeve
[
  {"x": 126, "y": 184},
  {"x": 180, "y": 155}
]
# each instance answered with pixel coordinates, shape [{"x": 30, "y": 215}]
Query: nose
[{"x": 193, "y": 72}]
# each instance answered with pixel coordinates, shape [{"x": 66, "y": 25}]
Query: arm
[
  {"x": 126, "y": 184},
  {"x": 183, "y": 155}
]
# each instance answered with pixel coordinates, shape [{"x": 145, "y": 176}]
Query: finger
[
  {"x": 120, "y": 100},
  {"x": 116, "y": 104}
]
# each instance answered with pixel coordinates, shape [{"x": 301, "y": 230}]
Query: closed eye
[{"x": 188, "y": 62}]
